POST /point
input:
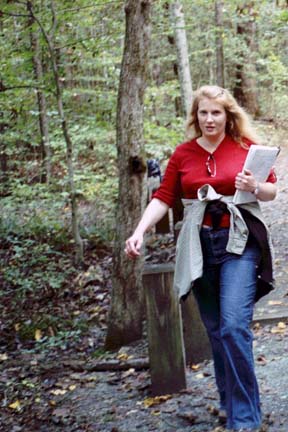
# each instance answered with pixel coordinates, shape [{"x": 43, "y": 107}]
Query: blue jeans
[{"x": 225, "y": 295}]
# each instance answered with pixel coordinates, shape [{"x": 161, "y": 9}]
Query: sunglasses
[{"x": 211, "y": 166}]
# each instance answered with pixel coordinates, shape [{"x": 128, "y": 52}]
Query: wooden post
[
  {"x": 164, "y": 327},
  {"x": 162, "y": 316},
  {"x": 197, "y": 344}
]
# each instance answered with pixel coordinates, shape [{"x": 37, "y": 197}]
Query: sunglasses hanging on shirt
[{"x": 211, "y": 165}]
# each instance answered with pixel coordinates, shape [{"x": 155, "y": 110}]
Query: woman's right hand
[
  {"x": 133, "y": 245},
  {"x": 155, "y": 210}
]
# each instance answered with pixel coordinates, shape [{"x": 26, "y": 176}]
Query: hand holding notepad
[{"x": 260, "y": 159}]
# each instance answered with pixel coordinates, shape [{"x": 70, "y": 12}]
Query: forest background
[{"x": 60, "y": 65}]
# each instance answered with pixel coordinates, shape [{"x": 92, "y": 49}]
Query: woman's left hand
[{"x": 245, "y": 181}]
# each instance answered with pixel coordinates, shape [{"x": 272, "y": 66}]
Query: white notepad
[{"x": 259, "y": 160}]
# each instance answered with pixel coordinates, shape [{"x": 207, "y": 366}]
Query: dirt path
[{"x": 69, "y": 401}]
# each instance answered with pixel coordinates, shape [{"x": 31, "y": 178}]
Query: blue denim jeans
[{"x": 225, "y": 295}]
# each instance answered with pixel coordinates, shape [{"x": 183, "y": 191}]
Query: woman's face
[{"x": 211, "y": 118}]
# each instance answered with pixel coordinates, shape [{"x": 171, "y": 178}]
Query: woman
[{"x": 224, "y": 250}]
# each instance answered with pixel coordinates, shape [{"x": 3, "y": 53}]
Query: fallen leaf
[
  {"x": 122, "y": 356},
  {"x": 129, "y": 372},
  {"x": 3, "y": 357},
  {"x": 58, "y": 392},
  {"x": 156, "y": 412},
  {"x": 212, "y": 410},
  {"x": 15, "y": 405},
  {"x": 257, "y": 326},
  {"x": 91, "y": 378},
  {"x": 281, "y": 325},
  {"x": 195, "y": 367},
  {"x": 72, "y": 387},
  {"x": 148, "y": 402},
  {"x": 38, "y": 334},
  {"x": 131, "y": 412},
  {"x": 100, "y": 297}
]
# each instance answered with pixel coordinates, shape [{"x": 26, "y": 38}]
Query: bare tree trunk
[
  {"x": 43, "y": 119},
  {"x": 126, "y": 312},
  {"x": 246, "y": 87},
  {"x": 182, "y": 55},
  {"x": 3, "y": 154},
  {"x": 219, "y": 43},
  {"x": 79, "y": 258}
]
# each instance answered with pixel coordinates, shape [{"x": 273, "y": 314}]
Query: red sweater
[{"x": 186, "y": 171}]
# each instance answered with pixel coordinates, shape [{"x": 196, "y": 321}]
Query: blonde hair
[{"x": 238, "y": 124}]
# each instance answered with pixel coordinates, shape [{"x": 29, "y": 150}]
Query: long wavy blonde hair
[{"x": 238, "y": 124}]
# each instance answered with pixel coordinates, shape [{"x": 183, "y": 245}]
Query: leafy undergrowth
[
  {"x": 49, "y": 312},
  {"x": 44, "y": 299}
]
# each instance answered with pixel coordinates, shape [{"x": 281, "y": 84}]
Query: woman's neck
[{"x": 210, "y": 143}]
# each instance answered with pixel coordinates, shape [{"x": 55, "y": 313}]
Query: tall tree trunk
[
  {"x": 79, "y": 257},
  {"x": 246, "y": 86},
  {"x": 182, "y": 55},
  {"x": 126, "y": 312},
  {"x": 3, "y": 154},
  {"x": 219, "y": 43},
  {"x": 41, "y": 100}
]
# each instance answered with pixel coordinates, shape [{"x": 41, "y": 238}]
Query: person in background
[{"x": 224, "y": 251}]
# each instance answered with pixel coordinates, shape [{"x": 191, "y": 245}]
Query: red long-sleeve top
[{"x": 187, "y": 171}]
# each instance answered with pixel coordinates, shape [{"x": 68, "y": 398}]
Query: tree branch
[
  {"x": 108, "y": 365},
  {"x": 43, "y": 31},
  {"x": 13, "y": 14},
  {"x": 54, "y": 19},
  {"x": 3, "y": 88},
  {"x": 77, "y": 9}
]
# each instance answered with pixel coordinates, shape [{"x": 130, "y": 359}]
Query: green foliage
[
  {"x": 41, "y": 219},
  {"x": 61, "y": 340},
  {"x": 161, "y": 140},
  {"x": 99, "y": 353},
  {"x": 33, "y": 267}
]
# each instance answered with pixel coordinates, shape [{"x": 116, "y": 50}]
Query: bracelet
[{"x": 256, "y": 190}]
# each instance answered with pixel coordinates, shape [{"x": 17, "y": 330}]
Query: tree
[
  {"x": 219, "y": 43},
  {"x": 182, "y": 56},
  {"x": 42, "y": 105},
  {"x": 48, "y": 37},
  {"x": 246, "y": 86},
  {"x": 126, "y": 312}
]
